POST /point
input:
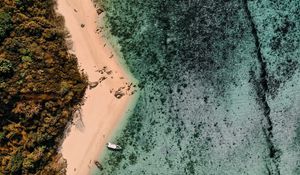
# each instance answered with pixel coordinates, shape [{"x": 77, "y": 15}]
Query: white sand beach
[{"x": 102, "y": 111}]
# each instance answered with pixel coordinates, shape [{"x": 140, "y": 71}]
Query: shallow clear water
[{"x": 219, "y": 87}]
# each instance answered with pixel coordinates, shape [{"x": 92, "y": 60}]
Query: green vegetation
[
  {"x": 5, "y": 67},
  {"x": 5, "y": 24},
  {"x": 40, "y": 86}
]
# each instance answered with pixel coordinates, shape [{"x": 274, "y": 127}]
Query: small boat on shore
[
  {"x": 99, "y": 166},
  {"x": 113, "y": 146}
]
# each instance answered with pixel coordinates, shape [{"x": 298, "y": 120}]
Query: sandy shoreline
[{"x": 102, "y": 111}]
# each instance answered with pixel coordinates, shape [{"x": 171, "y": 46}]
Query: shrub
[
  {"x": 5, "y": 24},
  {"x": 5, "y": 67}
]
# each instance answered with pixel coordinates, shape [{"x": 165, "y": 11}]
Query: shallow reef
[{"x": 219, "y": 87}]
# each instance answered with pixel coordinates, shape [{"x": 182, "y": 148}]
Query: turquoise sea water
[{"x": 220, "y": 89}]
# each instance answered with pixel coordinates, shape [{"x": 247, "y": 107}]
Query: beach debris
[
  {"x": 102, "y": 79},
  {"x": 130, "y": 90},
  {"x": 98, "y": 30},
  {"x": 93, "y": 84},
  {"x": 113, "y": 146},
  {"x": 103, "y": 70},
  {"x": 127, "y": 89},
  {"x": 133, "y": 92},
  {"x": 99, "y": 11},
  {"x": 129, "y": 86},
  {"x": 96, "y": 83},
  {"x": 119, "y": 94},
  {"x": 82, "y": 25},
  {"x": 75, "y": 10},
  {"x": 112, "y": 55},
  {"x": 98, "y": 164},
  {"x": 109, "y": 72}
]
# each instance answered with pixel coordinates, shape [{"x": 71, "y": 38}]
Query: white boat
[{"x": 113, "y": 146}]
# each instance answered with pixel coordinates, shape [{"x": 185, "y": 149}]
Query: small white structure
[{"x": 113, "y": 146}]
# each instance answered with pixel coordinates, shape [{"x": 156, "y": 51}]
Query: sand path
[{"x": 101, "y": 112}]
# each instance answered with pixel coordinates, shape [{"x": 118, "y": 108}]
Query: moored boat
[
  {"x": 99, "y": 166},
  {"x": 113, "y": 146}
]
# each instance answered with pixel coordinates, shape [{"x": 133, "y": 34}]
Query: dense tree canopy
[{"x": 40, "y": 86}]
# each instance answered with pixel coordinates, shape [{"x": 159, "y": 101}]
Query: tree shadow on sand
[{"x": 77, "y": 121}]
